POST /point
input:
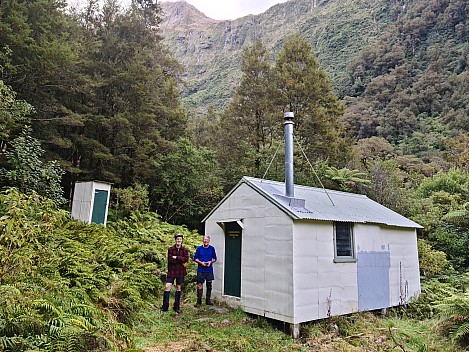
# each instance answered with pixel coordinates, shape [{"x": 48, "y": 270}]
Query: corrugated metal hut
[{"x": 308, "y": 253}]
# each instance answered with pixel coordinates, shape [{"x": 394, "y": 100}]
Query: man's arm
[
  {"x": 214, "y": 255},
  {"x": 171, "y": 258},
  {"x": 196, "y": 256},
  {"x": 185, "y": 256}
]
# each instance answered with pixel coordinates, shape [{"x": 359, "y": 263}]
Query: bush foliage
[{"x": 70, "y": 286}]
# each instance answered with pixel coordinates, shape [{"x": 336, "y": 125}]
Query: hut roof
[{"x": 323, "y": 204}]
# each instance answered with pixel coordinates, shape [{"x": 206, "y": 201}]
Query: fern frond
[
  {"x": 461, "y": 332},
  {"x": 7, "y": 342},
  {"x": 454, "y": 314},
  {"x": 454, "y": 305},
  {"x": 46, "y": 306}
]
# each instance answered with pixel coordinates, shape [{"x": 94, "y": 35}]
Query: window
[{"x": 343, "y": 242}]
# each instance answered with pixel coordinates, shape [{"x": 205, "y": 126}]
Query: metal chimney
[{"x": 288, "y": 135}]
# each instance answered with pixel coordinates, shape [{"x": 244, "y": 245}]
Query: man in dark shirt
[
  {"x": 205, "y": 256},
  {"x": 178, "y": 256}
]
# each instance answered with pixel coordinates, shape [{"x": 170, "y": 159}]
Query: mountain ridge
[
  {"x": 181, "y": 12},
  {"x": 211, "y": 49}
]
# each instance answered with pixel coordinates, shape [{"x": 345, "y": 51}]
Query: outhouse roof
[{"x": 323, "y": 204}]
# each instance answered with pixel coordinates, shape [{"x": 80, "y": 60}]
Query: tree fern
[
  {"x": 458, "y": 217},
  {"x": 346, "y": 179}
]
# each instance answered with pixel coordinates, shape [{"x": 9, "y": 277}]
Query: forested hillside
[
  {"x": 411, "y": 88},
  {"x": 211, "y": 50}
]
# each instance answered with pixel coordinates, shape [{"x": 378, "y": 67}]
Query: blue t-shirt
[{"x": 205, "y": 255}]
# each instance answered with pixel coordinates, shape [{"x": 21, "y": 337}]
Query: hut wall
[
  {"x": 266, "y": 257},
  {"x": 322, "y": 287}
]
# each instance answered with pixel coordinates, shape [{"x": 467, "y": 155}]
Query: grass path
[{"x": 220, "y": 328}]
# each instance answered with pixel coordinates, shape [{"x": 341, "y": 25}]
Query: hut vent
[
  {"x": 288, "y": 134},
  {"x": 289, "y": 197}
]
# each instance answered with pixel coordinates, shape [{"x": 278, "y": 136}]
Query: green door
[
  {"x": 99, "y": 206},
  {"x": 232, "y": 276}
]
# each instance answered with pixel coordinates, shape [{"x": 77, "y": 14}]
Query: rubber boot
[
  {"x": 199, "y": 297},
  {"x": 208, "y": 294},
  {"x": 177, "y": 302},
  {"x": 165, "y": 305}
]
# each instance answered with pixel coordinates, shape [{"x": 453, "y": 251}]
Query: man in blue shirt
[{"x": 205, "y": 256}]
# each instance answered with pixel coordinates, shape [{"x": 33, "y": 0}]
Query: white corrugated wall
[
  {"x": 322, "y": 287},
  {"x": 266, "y": 273}
]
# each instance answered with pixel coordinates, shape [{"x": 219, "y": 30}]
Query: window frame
[{"x": 345, "y": 258}]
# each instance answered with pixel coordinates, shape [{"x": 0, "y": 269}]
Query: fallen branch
[
  {"x": 394, "y": 339},
  {"x": 354, "y": 336}
]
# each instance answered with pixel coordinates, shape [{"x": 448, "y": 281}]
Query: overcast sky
[
  {"x": 216, "y": 9},
  {"x": 231, "y": 9}
]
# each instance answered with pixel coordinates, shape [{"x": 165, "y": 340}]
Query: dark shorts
[
  {"x": 201, "y": 277},
  {"x": 179, "y": 280}
]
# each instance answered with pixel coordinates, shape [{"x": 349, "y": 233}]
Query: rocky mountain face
[{"x": 211, "y": 49}]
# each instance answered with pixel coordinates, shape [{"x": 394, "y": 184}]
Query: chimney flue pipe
[{"x": 288, "y": 135}]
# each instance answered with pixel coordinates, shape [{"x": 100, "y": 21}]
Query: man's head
[
  {"x": 206, "y": 241},
  {"x": 178, "y": 238}
]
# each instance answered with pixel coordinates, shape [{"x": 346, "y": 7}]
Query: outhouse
[
  {"x": 91, "y": 201},
  {"x": 295, "y": 253}
]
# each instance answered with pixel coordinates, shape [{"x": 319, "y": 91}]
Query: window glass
[{"x": 343, "y": 237}]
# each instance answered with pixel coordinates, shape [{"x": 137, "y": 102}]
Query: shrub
[{"x": 431, "y": 262}]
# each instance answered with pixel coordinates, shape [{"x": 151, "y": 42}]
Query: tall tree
[
  {"x": 125, "y": 109},
  {"x": 21, "y": 163},
  {"x": 185, "y": 184},
  {"x": 305, "y": 90},
  {"x": 39, "y": 58},
  {"x": 136, "y": 100},
  {"x": 36, "y": 53},
  {"x": 250, "y": 124}
]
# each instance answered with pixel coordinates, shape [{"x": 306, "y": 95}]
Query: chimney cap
[{"x": 288, "y": 116}]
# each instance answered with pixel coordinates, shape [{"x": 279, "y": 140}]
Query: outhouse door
[
  {"x": 99, "y": 206},
  {"x": 232, "y": 271}
]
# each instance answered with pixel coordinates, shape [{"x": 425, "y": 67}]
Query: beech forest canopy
[{"x": 100, "y": 96}]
